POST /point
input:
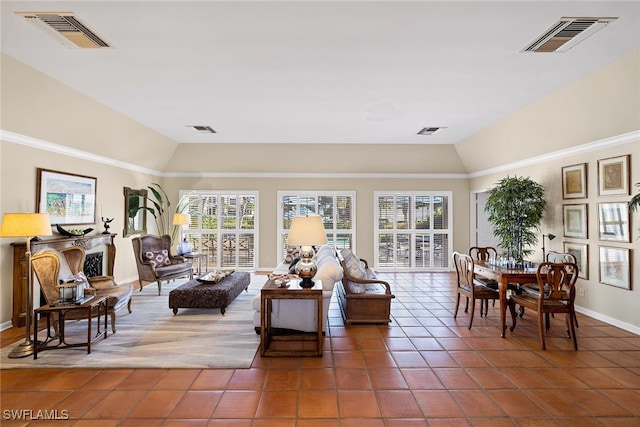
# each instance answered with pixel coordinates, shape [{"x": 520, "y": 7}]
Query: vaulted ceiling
[{"x": 321, "y": 72}]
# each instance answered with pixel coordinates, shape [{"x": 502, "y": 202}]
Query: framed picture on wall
[
  {"x": 581, "y": 252},
  {"x": 613, "y": 176},
  {"x": 574, "y": 181},
  {"x": 615, "y": 269},
  {"x": 613, "y": 222},
  {"x": 574, "y": 218},
  {"x": 67, "y": 198}
]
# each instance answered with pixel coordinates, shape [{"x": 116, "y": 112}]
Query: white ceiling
[{"x": 325, "y": 72}]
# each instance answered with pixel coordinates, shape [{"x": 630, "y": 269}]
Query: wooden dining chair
[
  {"x": 486, "y": 254},
  {"x": 556, "y": 282},
  {"x": 554, "y": 257},
  {"x": 469, "y": 286}
]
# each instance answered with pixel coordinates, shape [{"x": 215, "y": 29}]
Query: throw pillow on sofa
[{"x": 353, "y": 264}]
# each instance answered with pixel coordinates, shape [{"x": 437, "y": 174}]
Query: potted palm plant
[{"x": 515, "y": 207}]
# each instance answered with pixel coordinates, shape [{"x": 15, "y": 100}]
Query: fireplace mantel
[{"x": 91, "y": 244}]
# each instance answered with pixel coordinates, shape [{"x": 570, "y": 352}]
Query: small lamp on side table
[
  {"x": 305, "y": 232},
  {"x": 184, "y": 247},
  {"x": 26, "y": 225}
]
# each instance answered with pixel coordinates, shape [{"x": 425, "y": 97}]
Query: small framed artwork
[
  {"x": 613, "y": 222},
  {"x": 574, "y": 218},
  {"x": 581, "y": 252},
  {"x": 574, "y": 181},
  {"x": 67, "y": 198},
  {"x": 615, "y": 269},
  {"x": 613, "y": 176}
]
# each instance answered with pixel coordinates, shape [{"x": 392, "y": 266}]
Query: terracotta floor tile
[
  {"x": 556, "y": 403},
  {"x": 490, "y": 379},
  {"x": 409, "y": 359},
  {"x": 477, "y": 403},
  {"x": 358, "y": 404},
  {"x": 247, "y": 379},
  {"x": 278, "y": 404},
  {"x": 69, "y": 380},
  {"x": 282, "y": 379},
  {"x": 352, "y": 379},
  {"x": 177, "y": 380},
  {"x": 318, "y": 379},
  {"x": 390, "y": 379},
  {"x": 116, "y": 404},
  {"x": 525, "y": 378},
  {"x": 107, "y": 379},
  {"x": 397, "y": 404},
  {"x": 141, "y": 379},
  {"x": 516, "y": 404},
  {"x": 214, "y": 379},
  {"x": 157, "y": 404},
  {"x": 456, "y": 379},
  {"x": 378, "y": 359},
  {"x": 596, "y": 404},
  {"x": 317, "y": 404},
  {"x": 438, "y": 404},
  {"x": 196, "y": 404},
  {"x": 597, "y": 379},
  {"x": 78, "y": 403},
  {"x": 439, "y": 359},
  {"x": 237, "y": 404}
]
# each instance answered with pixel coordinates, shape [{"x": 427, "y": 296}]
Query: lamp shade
[
  {"x": 180, "y": 219},
  {"x": 307, "y": 231},
  {"x": 25, "y": 225}
]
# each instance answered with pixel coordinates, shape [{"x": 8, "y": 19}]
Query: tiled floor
[{"x": 424, "y": 369}]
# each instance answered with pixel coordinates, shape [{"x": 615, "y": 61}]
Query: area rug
[{"x": 152, "y": 337}]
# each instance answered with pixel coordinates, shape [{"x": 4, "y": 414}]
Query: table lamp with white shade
[
  {"x": 182, "y": 219},
  {"x": 306, "y": 231},
  {"x": 26, "y": 225}
]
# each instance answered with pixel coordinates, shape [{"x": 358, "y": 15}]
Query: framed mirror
[{"x": 135, "y": 212}]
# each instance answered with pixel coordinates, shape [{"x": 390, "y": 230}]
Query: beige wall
[{"x": 31, "y": 107}]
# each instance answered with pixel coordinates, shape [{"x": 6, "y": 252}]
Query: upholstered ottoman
[{"x": 195, "y": 294}]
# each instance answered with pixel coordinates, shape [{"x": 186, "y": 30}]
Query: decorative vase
[{"x": 184, "y": 247}]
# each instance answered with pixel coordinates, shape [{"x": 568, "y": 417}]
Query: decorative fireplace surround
[{"x": 101, "y": 255}]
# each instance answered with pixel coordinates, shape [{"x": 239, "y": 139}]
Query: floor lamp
[
  {"x": 550, "y": 237},
  {"x": 26, "y": 225}
]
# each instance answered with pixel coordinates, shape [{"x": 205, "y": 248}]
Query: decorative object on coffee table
[
  {"x": 307, "y": 231},
  {"x": 26, "y": 225}
]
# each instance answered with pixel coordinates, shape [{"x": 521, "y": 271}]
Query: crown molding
[
  {"x": 555, "y": 155},
  {"x": 17, "y": 138}
]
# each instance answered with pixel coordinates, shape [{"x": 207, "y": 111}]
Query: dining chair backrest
[
  {"x": 558, "y": 257},
  {"x": 557, "y": 280},
  {"x": 483, "y": 253},
  {"x": 464, "y": 269}
]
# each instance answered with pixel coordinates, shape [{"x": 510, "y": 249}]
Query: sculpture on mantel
[{"x": 105, "y": 224}]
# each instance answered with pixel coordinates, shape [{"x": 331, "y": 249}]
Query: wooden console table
[{"x": 20, "y": 265}]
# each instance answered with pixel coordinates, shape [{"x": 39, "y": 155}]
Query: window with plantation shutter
[
  {"x": 223, "y": 227},
  {"x": 413, "y": 230},
  {"x": 337, "y": 210}
]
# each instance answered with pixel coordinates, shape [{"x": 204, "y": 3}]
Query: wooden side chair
[
  {"x": 486, "y": 254},
  {"x": 470, "y": 287},
  {"x": 556, "y": 282}
]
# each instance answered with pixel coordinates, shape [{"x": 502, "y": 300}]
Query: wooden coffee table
[{"x": 289, "y": 344}]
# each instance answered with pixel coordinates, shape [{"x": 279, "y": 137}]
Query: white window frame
[
  {"x": 199, "y": 231},
  {"x": 412, "y": 231},
  {"x": 283, "y": 233}
]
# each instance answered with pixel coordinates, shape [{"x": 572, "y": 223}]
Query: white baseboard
[{"x": 611, "y": 321}]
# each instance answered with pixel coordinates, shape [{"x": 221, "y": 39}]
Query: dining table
[{"x": 505, "y": 275}]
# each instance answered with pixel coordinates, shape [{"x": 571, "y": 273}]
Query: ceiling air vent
[
  {"x": 566, "y": 33},
  {"x": 203, "y": 129},
  {"x": 67, "y": 28},
  {"x": 430, "y": 130}
]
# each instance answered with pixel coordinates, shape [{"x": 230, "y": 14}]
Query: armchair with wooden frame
[
  {"x": 156, "y": 263},
  {"x": 51, "y": 266}
]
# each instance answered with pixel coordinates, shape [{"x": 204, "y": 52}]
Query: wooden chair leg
[
  {"x": 159, "y": 286},
  {"x": 455, "y": 313},
  {"x": 466, "y": 306},
  {"x": 570, "y": 319},
  {"x": 541, "y": 328},
  {"x": 473, "y": 309},
  {"x": 113, "y": 321}
]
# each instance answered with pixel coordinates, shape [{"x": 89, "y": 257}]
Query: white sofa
[{"x": 300, "y": 315}]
